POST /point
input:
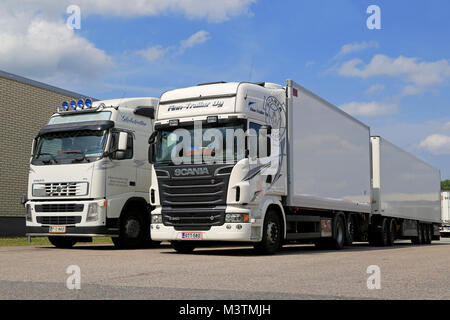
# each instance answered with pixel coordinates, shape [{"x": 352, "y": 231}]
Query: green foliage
[{"x": 445, "y": 185}]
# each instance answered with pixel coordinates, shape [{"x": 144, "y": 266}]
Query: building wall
[{"x": 24, "y": 109}]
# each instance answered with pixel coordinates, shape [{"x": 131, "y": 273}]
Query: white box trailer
[
  {"x": 445, "y": 211},
  {"x": 328, "y": 155},
  {"x": 404, "y": 187}
]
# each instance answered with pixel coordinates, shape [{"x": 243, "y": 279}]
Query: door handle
[{"x": 132, "y": 183}]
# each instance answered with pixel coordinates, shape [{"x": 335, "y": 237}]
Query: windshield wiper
[
  {"x": 47, "y": 154},
  {"x": 83, "y": 156}
]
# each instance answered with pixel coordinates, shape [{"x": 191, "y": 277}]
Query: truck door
[{"x": 120, "y": 175}]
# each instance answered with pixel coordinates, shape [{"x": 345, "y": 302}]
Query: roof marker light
[
  {"x": 73, "y": 105},
  {"x": 80, "y": 103},
  {"x": 88, "y": 103},
  {"x": 64, "y": 106}
]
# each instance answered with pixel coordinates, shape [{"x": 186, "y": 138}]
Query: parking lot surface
[{"x": 298, "y": 272}]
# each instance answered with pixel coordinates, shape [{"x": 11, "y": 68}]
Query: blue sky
[{"x": 395, "y": 79}]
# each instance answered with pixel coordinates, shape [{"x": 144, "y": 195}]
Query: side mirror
[
  {"x": 123, "y": 141},
  {"x": 120, "y": 155},
  {"x": 152, "y": 138}
]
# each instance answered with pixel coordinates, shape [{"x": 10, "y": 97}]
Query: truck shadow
[
  {"x": 296, "y": 249},
  {"x": 104, "y": 247}
]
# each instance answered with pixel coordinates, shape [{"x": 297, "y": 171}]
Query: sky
[{"x": 394, "y": 78}]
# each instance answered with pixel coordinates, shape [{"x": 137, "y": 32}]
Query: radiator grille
[
  {"x": 59, "y": 207},
  {"x": 62, "y": 220}
]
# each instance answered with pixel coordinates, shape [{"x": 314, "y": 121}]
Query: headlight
[
  {"x": 28, "y": 213},
  {"x": 156, "y": 218},
  {"x": 236, "y": 217},
  {"x": 92, "y": 214},
  {"x": 39, "y": 190}
]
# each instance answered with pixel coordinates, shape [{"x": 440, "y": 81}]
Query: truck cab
[
  {"x": 89, "y": 173},
  {"x": 209, "y": 152}
]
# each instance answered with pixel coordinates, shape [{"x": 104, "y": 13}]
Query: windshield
[
  {"x": 219, "y": 143},
  {"x": 70, "y": 146}
]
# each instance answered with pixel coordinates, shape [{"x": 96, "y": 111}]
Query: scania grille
[
  {"x": 193, "y": 191},
  {"x": 59, "y": 207},
  {"x": 59, "y": 220}
]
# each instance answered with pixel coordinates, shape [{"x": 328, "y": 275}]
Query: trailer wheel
[
  {"x": 380, "y": 238},
  {"x": 62, "y": 242},
  {"x": 428, "y": 234},
  {"x": 424, "y": 234},
  {"x": 419, "y": 238},
  {"x": 271, "y": 240},
  {"x": 337, "y": 242},
  {"x": 183, "y": 246},
  {"x": 391, "y": 234},
  {"x": 351, "y": 230}
]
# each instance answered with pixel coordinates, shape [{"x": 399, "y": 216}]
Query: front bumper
[
  {"x": 74, "y": 231},
  {"x": 61, "y": 213},
  {"x": 226, "y": 232}
]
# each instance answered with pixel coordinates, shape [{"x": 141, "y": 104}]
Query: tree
[{"x": 445, "y": 185}]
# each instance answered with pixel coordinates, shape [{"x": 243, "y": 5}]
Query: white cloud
[
  {"x": 446, "y": 126},
  {"x": 355, "y": 47},
  {"x": 152, "y": 53},
  {"x": 197, "y": 38},
  {"x": 436, "y": 144},
  {"x": 419, "y": 75},
  {"x": 310, "y": 63},
  {"x": 32, "y": 45},
  {"x": 212, "y": 10},
  {"x": 156, "y": 52},
  {"x": 369, "y": 109},
  {"x": 375, "y": 87}
]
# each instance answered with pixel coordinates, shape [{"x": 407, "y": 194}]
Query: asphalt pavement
[{"x": 404, "y": 271}]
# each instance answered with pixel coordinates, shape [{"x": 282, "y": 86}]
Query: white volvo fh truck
[
  {"x": 304, "y": 172},
  {"x": 89, "y": 173}
]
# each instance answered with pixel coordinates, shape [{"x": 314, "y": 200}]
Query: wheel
[
  {"x": 428, "y": 234},
  {"x": 424, "y": 234},
  {"x": 384, "y": 234},
  {"x": 380, "y": 238},
  {"x": 337, "y": 242},
  {"x": 350, "y": 231},
  {"x": 134, "y": 230},
  {"x": 271, "y": 240},
  {"x": 419, "y": 238},
  {"x": 391, "y": 232},
  {"x": 62, "y": 242},
  {"x": 183, "y": 246}
]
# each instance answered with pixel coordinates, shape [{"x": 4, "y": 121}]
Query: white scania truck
[
  {"x": 445, "y": 201},
  {"x": 329, "y": 182},
  {"x": 89, "y": 173}
]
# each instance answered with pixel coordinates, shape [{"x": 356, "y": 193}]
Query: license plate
[
  {"x": 191, "y": 235},
  {"x": 57, "y": 229}
]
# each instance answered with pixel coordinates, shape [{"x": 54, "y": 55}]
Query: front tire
[
  {"x": 62, "y": 242},
  {"x": 271, "y": 240},
  {"x": 134, "y": 231}
]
